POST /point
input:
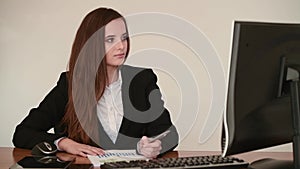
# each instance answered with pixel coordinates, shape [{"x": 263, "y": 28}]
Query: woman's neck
[{"x": 112, "y": 73}]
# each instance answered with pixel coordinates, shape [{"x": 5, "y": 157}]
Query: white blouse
[{"x": 110, "y": 109}]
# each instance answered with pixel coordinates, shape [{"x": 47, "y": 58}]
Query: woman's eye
[
  {"x": 109, "y": 40},
  {"x": 124, "y": 37}
]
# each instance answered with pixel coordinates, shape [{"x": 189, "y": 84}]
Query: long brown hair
[{"x": 87, "y": 60}]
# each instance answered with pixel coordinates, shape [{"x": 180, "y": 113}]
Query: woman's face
[{"x": 115, "y": 42}]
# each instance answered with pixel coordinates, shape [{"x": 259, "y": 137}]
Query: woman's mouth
[{"x": 121, "y": 55}]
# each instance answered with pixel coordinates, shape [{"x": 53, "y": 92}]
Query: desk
[{"x": 9, "y": 155}]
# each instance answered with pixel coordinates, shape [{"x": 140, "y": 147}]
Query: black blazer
[{"x": 144, "y": 114}]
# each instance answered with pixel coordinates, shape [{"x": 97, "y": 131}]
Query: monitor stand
[
  {"x": 269, "y": 163},
  {"x": 296, "y": 121}
]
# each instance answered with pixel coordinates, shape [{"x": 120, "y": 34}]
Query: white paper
[{"x": 115, "y": 155}]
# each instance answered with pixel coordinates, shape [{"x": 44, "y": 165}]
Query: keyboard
[{"x": 208, "y": 162}]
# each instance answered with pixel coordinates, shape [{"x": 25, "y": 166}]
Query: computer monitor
[{"x": 265, "y": 57}]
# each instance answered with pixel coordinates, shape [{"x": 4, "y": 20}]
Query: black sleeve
[
  {"x": 162, "y": 120},
  {"x": 33, "y": 129}
]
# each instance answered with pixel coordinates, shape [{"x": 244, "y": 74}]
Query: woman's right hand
[
  {"x": 149, "y": 149},
  {"x": 73, "y": 147}
]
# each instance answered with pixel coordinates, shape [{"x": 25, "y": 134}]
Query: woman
[{"x": 100, "y": 103}]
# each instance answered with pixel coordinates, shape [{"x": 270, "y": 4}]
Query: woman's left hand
[
  {"x": 73, "y": 147},
  {"x": 149, "y": 149}
]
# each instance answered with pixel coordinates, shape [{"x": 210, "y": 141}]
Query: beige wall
[{"x": 36, "y": 38}]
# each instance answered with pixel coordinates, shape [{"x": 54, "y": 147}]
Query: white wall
[{"x": 36, "y": 38}]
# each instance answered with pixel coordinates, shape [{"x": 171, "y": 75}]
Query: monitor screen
[{"x": 258, "y": 109}]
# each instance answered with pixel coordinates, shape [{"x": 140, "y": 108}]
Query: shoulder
[
  {"x": 132, "y": 68},
  {"x": 62, "y": 82},
  {"x": 138, "y": 75},
  {"x": 127, "y": 69},
  {"x": 63, "y": 77}
]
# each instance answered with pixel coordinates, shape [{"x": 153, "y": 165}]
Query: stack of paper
[{"x": 115, "y": 155}]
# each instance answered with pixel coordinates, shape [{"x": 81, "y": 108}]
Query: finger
[
  {"x": 152, "y": 149},
  {"x": 151, "y": 152},
  {"x": 88, "y": 151},
  {"x": 82, "y": 154},
  {"x": 154, "y": 154},
  {"x": 156, "y": 149},
  {"x": 98, "y": 151},
  {"x": 156, "y": 143},
  {"x": 144, "y": 140}
]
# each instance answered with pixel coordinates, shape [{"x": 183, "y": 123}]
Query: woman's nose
[{"x": 121, "y": 44}]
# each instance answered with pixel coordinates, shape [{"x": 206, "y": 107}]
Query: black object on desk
[
  {"x": 44, "y": 162},
  {"x": 44, "y": 148}
]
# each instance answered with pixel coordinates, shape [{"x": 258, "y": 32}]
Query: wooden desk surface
[{"x": 9, "y": 155}]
